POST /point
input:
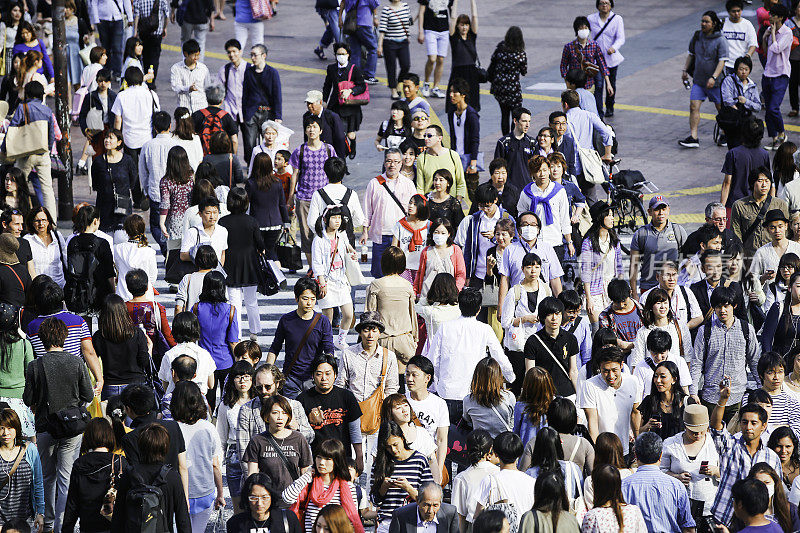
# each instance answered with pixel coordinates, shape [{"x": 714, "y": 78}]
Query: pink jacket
[
  {"x": 377, "y": 201},
  {"x": 459, "y": 269}
]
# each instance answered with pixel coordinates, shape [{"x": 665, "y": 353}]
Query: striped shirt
[
  {"x": 394, "y": 23},
  {"x": 735, "y": 464},
  {"x": 416, "y": 471},
  {"x": 16, "y": 501},
  {"x": 77, "y": 332},
  {"x": 292, "y": 492},
  {"x": 785, "y": 410}
]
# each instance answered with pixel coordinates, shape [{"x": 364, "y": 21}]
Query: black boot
[{"x": 352, "y": 154}]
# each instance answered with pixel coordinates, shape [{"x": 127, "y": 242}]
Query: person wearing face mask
[
  {"x": 345, "y": 70},
  {"x": 780, "y": 511},
  {"x": 440, "y": 255},
  {"x": 511, "y": 272},
  {"x": 585, "y": 54}
]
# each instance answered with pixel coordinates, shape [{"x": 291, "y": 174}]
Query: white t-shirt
[
  {"x": 644, "y": 373},
  {"x": 404, "y": 238},
  {"x": 136, "y": 106},
  {"x": 424, "y": 443},
  {"x": 202, "y": 445},
  {"x": 740, "y": 37},
  {"x": 205, "y": 364},
  {"x": 432, "y": 412},
  {"x": 217, "y": 240},
  {"x": 613, "y": 406},
  {"x": 512, "y": 485}
]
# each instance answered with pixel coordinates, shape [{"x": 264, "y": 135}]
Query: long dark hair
[
  {"x": 115, "y": 323},
  {"x": 547, "y": 451},
  {"x": 9, "y": 334},
  {"x": 333, "y": 449},
  {"x": 130, "y": 48},
  {"x": 783, "y": 432},
  {"x": 513, "y": 40},
  {"x": 786, "y": 321},
  {"x": 23, "y": 25},
  {"x": 178, "y": 168},
  {"x": 22, "y": 195},
  {"x": 594, "y": 234},
  {"x": 402, "y": 106},
  {"x": 608, "y": 490},
  {"x": 487, "y": 383},
  {"x": 780, "y": 505},
  {"x": 213, "y": 291},
  {"x": 184, "y": 127},
  {"x": 263, "y": 173},
  {"x": 537, "y": 393},
  {"x": 657, "y": 295},
  {"x": 783, "y": 165},
  {"x": 384, "y": 461},
  {"x": 239, "y": 368},
  {"x": 550, "y": 496},
  {"x": 677, "y": 391},
  {"x": 714, "y": 20},
  {"x": 7, "y": 20}
]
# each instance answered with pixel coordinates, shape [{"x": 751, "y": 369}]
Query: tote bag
[{"x": 29, "y": 138}]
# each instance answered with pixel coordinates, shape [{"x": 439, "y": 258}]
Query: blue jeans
[
  {"x": 57, "y": 456},
  {"x": 599, "y": 90},
  {"x": 111, "y": 390},
  {"x": 292, "y": 387},
  {"x": 773, "y": 90},
  {"x": 155, "y": 226},
  {"x": 364, "y": 36},
  {"x": 331, "y": 19},
  {"x": 111, "y": 39},
  {"x": 377, "y": 252}
]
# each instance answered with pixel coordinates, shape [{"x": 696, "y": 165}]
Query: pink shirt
[
  {"x": 778, "y": 53},
  {"x": 378, "y": 203}
]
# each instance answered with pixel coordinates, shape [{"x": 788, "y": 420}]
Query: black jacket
[
  {"x": 92, "y": 101},
  {"x": 334, "y": 75},
  {"x": 268, "y": 207},
  {"x": 332, "y": 131},
  {"x": 472, "y": 131},
  {"x": 88, "y": 484},
  {"x": 174, "y": 498},
  {"x": 699, "y": 289}
]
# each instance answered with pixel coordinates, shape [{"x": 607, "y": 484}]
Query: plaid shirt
[
  {"x": 593, "y": 268},
  {"x": 570, "y": 59},
  {"x": 143, "y": 8},
  {"x": 735, "y": 464}
]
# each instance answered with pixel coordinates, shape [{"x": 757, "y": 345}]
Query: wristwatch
[{"x": 714, "y": 78}]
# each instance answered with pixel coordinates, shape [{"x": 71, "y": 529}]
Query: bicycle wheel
[{"x": 628, "y": 215}]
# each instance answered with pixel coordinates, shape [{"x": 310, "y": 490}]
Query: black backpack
[
  {"x": 347, "y": 218},
  {"x": 148, "y": 25},
  {"x": 145, "y": 504},
  {"x": 80, "y": 292}
]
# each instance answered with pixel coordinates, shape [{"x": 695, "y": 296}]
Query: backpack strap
[
  {"x": 228, "y": 68},
  {"x": 346, "y": 198},
  {"x": 300, "y": 160},
  {"x": 706, "y": 341},
  {"x": 575, "y": 325},
  {"x": 325, "y": 197},
  {"x": 680, "y": 336},
  {"x": 746, "y": 332},
  {"x": 206, "y": 113},
  {"x": 686, "y": 301}
]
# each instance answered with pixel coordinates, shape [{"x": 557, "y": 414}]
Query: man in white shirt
[
  {"x": 739, "y": 32},
  {"x": 189, "y": 78},
  {"x": 152, "y": 167},
  {"x": 209, "y": 232},
  {"x": 185, "y": 330},
  {"x": 475, "y": 232},
  {"x": 335, "y": 193},
  {"x": 610, "y": 399},
  {"x": 430, "y": 409},
  {"x": 457, "y": 348},
  {"x": 231, "y": 77},
  {"x": 766, "y": 259},
  {"x": 133, "y": 109},
  {"x": 581, "y": 126}
]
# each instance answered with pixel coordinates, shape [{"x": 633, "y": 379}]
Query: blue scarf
[{"x": 544, "y": 201}]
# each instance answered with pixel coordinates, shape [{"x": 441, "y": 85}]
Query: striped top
[
  {"x": 785, "y": 410},
  {"x": 292, "y": 492},
  {"x": 395, "y": 23},
  {"x": 15, "y": 497},
  {"x": 77, "y": 331},
  {"x": 416, "y": 470}
]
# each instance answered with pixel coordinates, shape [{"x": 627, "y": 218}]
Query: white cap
[{"x": 313, "y": 97}]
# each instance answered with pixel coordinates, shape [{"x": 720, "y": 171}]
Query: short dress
[{"x": 326, "y": 262}]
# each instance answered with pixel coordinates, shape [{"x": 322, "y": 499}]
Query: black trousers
[
  {"x": 271, "y": 243},
  {"x": 151, "y": 54},
  {"x": 136, "y": 187},
  {"x": 395, "y": 52},
  {"x": 517, "y": 360},
  {"x": 794, "y": 83},
  {"x": 220, "y": 377},
  {"x": 505, "y": 119}
]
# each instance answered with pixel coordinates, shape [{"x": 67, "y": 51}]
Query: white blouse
[
  {"x": 49, "y": 258},
  {"x": 675, "y": 459}
]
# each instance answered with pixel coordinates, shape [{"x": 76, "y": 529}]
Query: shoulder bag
[
  {"x": 354, "y": 99},
  {"x": 394, "y": 197},
  {"x": 291, "y": 468},
  {"x": 27, "y": 138},
  {"x": 177, "y": 268},
  {"x": 552, "y": 355},
  {"x": 287, "y": 369},
  {"x": 371, "y": 407},
  {"x": 759, "y": 219},
  {"x": 350, "y": 26},
  {"x": 604, "y": 27},
  {"x": 17, "y": 461},
  {"x": 594, "y": 171}
]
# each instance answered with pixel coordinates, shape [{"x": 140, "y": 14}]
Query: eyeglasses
[
  {"x": 786, "y": 267},
  {"x": 430, "y": 135},
  {"x": 421, "y": 119},
  {"x": 264, "y": 387},
  {"x": 532, "y": 225},
  {"x": 243, "y": 377},
  {"x": 256, "y": 499},
  {"x": 560, "y": 123}
]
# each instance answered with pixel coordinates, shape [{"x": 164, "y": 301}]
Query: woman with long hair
[
  {"x": 47, "y": 245},
  {"x": 26, "y": 41},
  {"x": 396, "y": 129},
  {"x": 441, "y": 306},
  {"x": 548, "y": 458},
  {"x": 134, "y": 253},
  {"x": 780, "y": 332},
  {"x": 15, "y": 354},
  {"x": 783, "y": 441},
  {"x": 440, "y": 255},
  {"x": 465, "y": 63},
  {"x": 93, "y": 473},
  {"x": 113, "y": 175},
  {"x": 607, "y": 451},
  {"x": 410, "y": 233},
  {"x": 397, "y": 474},
  {"x": 175, "y": 188},
  {"x": 8, "y": 87},
  {"x": 259, "y": 457},
  {"x": 238, "y": 391},
  {"x": 245, "y": 243},
  {"x": 489, "y": 405},
  {"x": 267, "y": 202},
  {"x": 784, "y": 170},
  {"x": 24, "y": 490},
  {"x": 30, "y": 71},
  {"x": 600, "y": 259},
  {"x": 551, "y": 504},
  {"x": 17, "y": 195},
  {"x": 610, "y": 512},
  {"x": 333, "y": 519},
  {"x": 203, "y": 452},
  {"x": 466, "y": 484},
  {"x": 328, "y": 482},
  {"x": 224, "y": 160},
  {"x": 219, "y": 327},
  {"x": 657, "y": 314},
  {"x": 184, "y": 135},
  {"x": 397, "y": 408},
  {"x": 536, "y": 393},
  {"x": 507, "y": 65},
  {"x": 124, "y": 349},
  {"x": 393, "y": 297},
  {"x": 780, "y": 510},
  {"x": 662, "y": 409},
  {"x": 8, "y": 29},
  {"x": 440, "y": 203},
  {"x": 775, "y": 290},
  {"x": 393, "y": 41}
]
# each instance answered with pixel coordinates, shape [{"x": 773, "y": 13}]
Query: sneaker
[
  {"x": 689, "y": 142},
  {"x": 723, "y": 140},
  {"x": 426, "y": 90},
  {"x": 371, "y": 81},
  {"x": 437, "y": 92},
  {"x": 609, "y": 113},
  {"x": 341, "y": 340},
  {"x": 319, "y": 52},
  {"x": 254, "y": 337},
  {"x": 81, "y": 169}
]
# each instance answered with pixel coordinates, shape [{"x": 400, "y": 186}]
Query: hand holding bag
[
  {"x": 355, "y": 99},
  {"x": 289, "y": 254}
]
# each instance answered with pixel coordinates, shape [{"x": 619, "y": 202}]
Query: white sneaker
[
  {"x": 341, "y": 340},
  {"x": 426, "y": 90},
  {"x": 437, "y": 92}
]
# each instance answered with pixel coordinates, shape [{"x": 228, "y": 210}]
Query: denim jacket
[{"x": 731, "y": 89}]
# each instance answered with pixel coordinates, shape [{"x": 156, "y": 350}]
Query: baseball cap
[
  {"x": 658, "y": 201},
  {"x": 313, "y": 96}
]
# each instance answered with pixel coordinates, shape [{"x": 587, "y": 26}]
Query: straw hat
[
  {"x": 8, "y": 249},
  {"x": 695, "y": 417}
]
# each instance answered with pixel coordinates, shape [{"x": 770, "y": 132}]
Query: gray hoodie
[{"x": 709, "y": 50}]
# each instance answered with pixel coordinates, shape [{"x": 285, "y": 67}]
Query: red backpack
[{"x": 212, "y": 122}]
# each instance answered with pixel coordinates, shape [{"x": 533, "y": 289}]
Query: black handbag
[
  {"x": 289, "y": 254},
  {"x": 350, "y": 26},
  {"x": 267, "y": 282},
  {"x": 123, "y": 205},
  {"x": 67, "y": 422},
  {"x": 176, "y": 267}
]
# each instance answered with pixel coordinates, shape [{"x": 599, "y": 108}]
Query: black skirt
[{"x": 468, "y": 73}]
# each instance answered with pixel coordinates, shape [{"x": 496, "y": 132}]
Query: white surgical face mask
[
  {"x": 529, "y": 232},
  {"x": 341, "y": 59},
  {"x": 583, "y": 34},
  {"x": 439, "y": 239}
]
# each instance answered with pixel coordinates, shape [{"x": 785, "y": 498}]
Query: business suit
[{"x": 404, "y": 519}]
